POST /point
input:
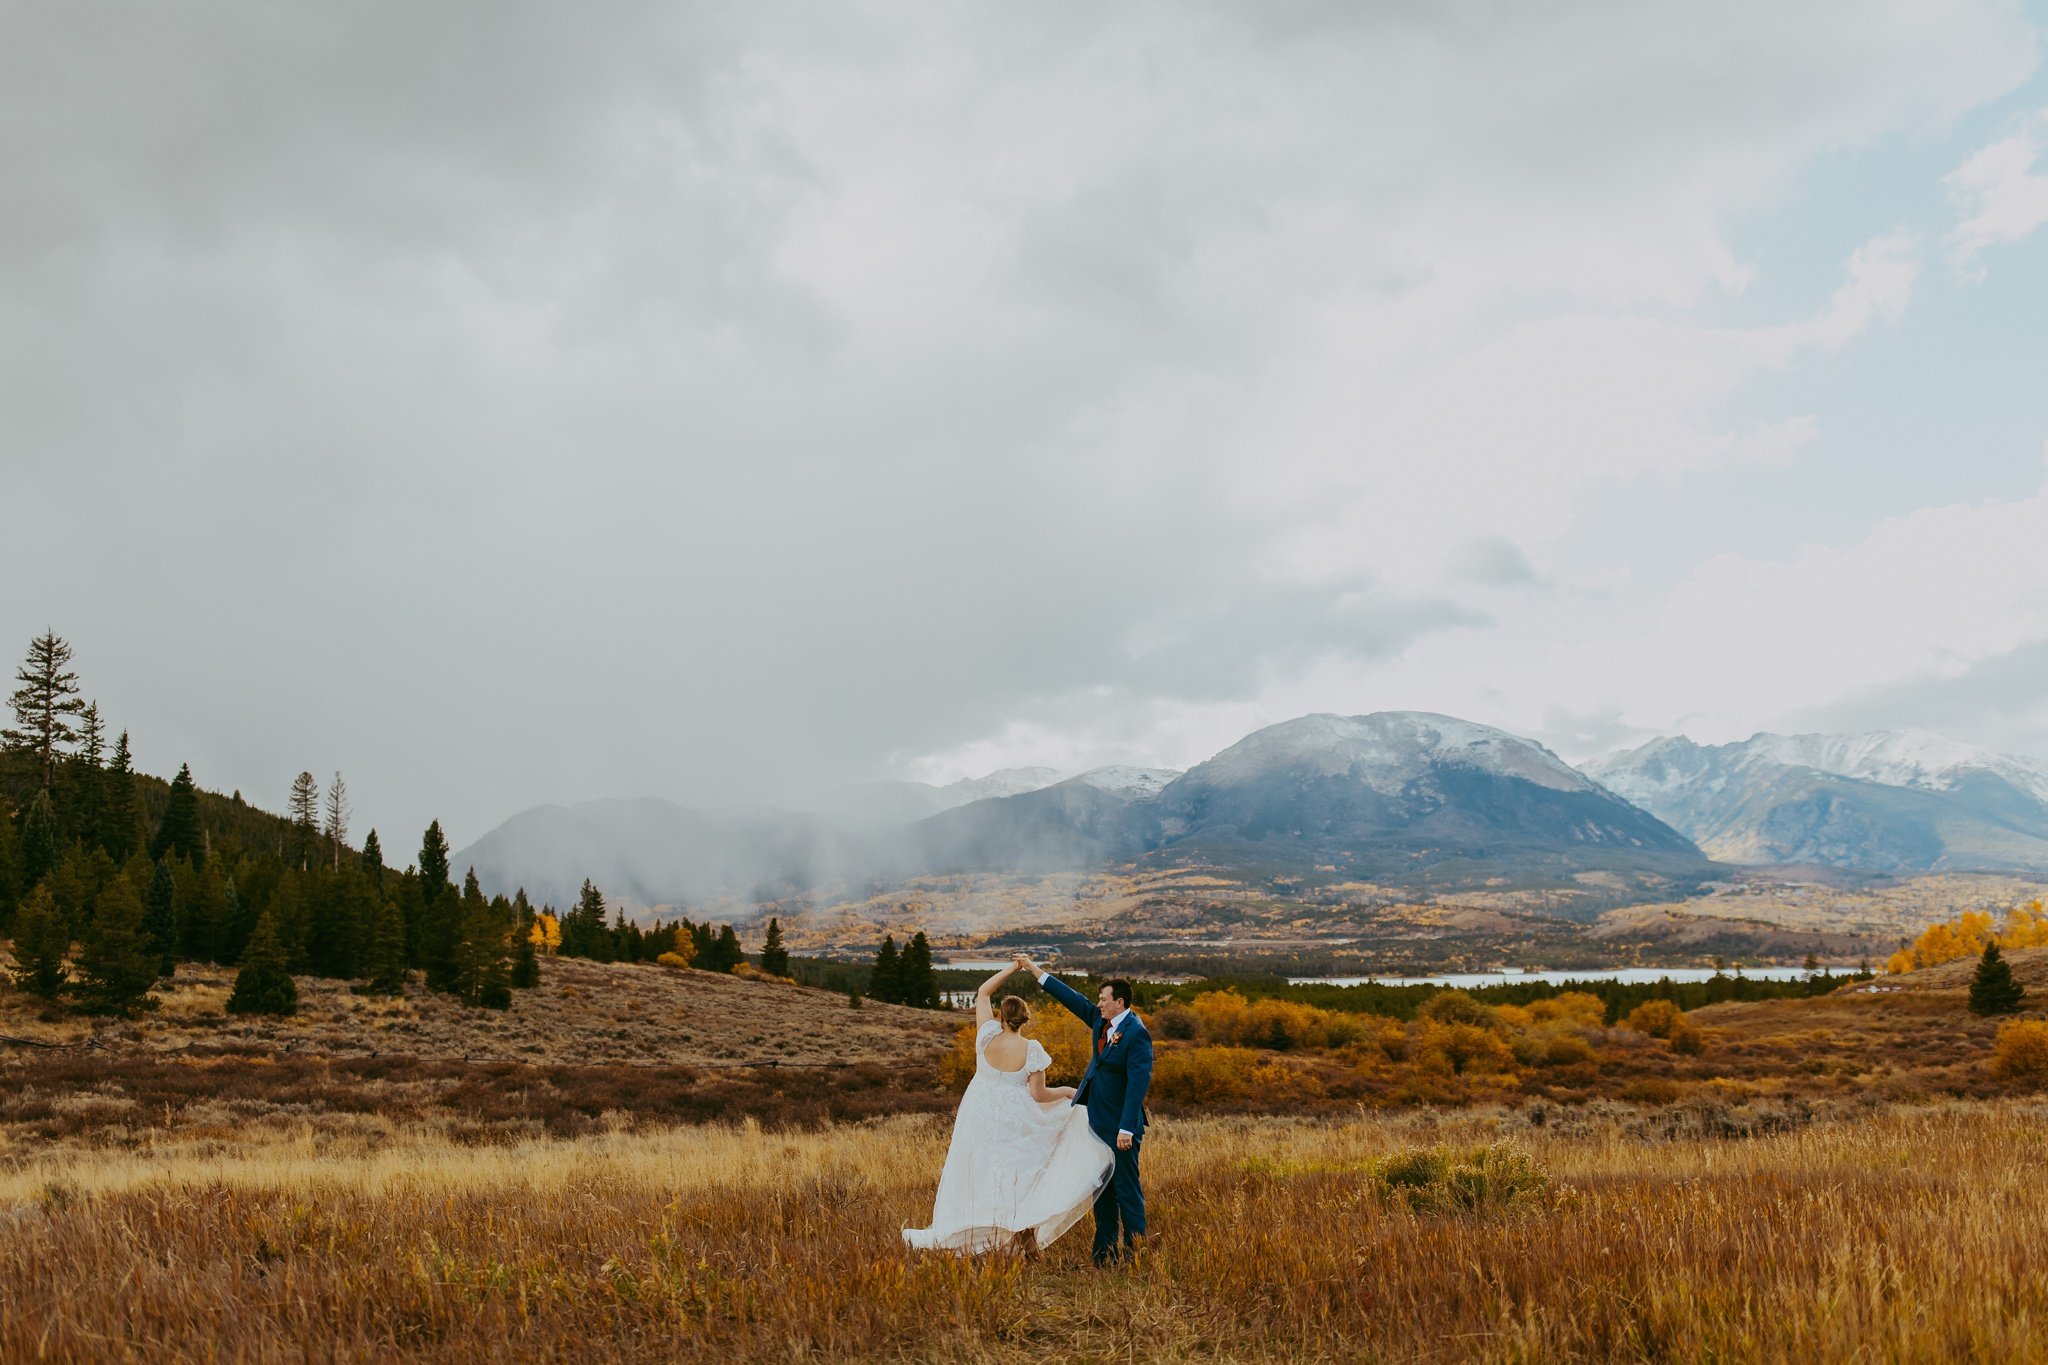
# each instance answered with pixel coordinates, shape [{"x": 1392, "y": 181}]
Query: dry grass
[
  {"x": 583, "y": 1013},
  {"x": 1913, "y": 1234}
]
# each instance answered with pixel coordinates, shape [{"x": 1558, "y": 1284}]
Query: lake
[{"x": 1625, "y": 975}]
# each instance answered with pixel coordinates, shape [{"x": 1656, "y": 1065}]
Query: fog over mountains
[
  {"x": 1892, "y": 801},
  {"x": 1399, "y": 798}
]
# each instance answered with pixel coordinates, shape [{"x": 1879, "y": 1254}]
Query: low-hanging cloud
[{"x": 505, "y": 407}]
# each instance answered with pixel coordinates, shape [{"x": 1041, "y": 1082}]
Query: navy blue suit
[{"x": 1113, "y": 1090}]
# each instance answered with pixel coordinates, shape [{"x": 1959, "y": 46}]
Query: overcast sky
[{"x": 514, "y": 403}]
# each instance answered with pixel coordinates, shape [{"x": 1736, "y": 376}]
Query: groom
[{"x": 1113, "y": 1089}]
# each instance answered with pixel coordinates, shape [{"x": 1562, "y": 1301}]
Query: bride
[{"x": 1024, "y": 1165}]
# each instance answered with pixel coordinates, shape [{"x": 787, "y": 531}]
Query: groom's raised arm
[{"x": 1078, "y": 1005}]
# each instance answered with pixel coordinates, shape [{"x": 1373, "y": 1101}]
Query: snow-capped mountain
[
  {"x": 1133, "y": 784},
  {"x": 1398, "y": 794},
  {"x": 1889, "y": 801},
  {"x": 1001, "y": 782}
]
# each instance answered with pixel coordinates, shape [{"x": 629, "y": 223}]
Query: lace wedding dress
[{"x": 1014, "y": 1163}]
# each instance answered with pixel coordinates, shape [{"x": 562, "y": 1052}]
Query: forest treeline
[{"x": 110, "y": 877}]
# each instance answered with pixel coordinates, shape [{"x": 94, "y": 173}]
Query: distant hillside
[
  {"x": 1406, "y": 796},
  {"x": 1889, "y": 802},
  {"x": 653, "y": 852},
  {"x": 1397, "y": 798}
]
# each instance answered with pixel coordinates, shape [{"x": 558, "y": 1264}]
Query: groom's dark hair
[{"x": 1120, "y": 989}]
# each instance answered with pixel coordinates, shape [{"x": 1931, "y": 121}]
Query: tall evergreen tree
[
  {"x": 373, "y": 860},
  {"x": 116, "y": 965},
  {"x": 774, "y": 957},
  {"x": 304, "y": 806},
  {"x": 119, "y": 831},
  {"x": 886, "y": 981},
  {"x": 483, "y": 975},
  {"x": 178, "y": 832},
  {"x": 205, "y": 912},
  {"x": 440, "y": 912},
  {"x": 1992, "y": 988},
  {"x": 337, "y": 811},
  {"x": 237, "y": 923},
  {"x": 11, "y": 888},
  {"x": 387, "y": 951},
  {"x": 433, "y": 862},
  {"x": 525, "y": 956},
  {"x": 264, "y": 985},
  {"x": 41, "y": 843},
  {"x": 44, "y": 705},
  {"x": 160, "y": 927},
  {"x": 725, "y": 952},
  {"x": 41, "y": 939},
  {"x": 584, "y": 933},
  {"x": 920, "y": 979},
  {"x": 86, "y": 806}
]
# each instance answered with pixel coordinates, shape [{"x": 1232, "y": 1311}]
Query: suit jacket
[{"x": 1113, "y": 1088}]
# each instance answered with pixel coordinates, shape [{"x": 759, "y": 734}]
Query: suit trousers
[{"x": 1120, "y": 1208}]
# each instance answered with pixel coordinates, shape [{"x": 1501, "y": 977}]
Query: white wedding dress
[{"x": 1014, "y": 1163}]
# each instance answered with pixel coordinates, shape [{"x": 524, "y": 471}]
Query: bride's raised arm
[{"x": 985, "y": 991}]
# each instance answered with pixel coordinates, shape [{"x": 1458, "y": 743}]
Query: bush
[
  {"x": 673, "y": 960},
  {"x": 1657, "y": 1018},
  {"x": 1456, "y": 1007},
  {"x": 1203, "y": 1075},
  {"x": 1460, "y": 1048},
  {"x": 1444, "y": 1180},
  {"x": 1175, "y": 1021},
  {"x": 1220, "y": 1017},
  {"x": 1570, "y": 1007},
  {"x": 2021, "y": 1052},
  {"x": 1281, "y": 1024}
]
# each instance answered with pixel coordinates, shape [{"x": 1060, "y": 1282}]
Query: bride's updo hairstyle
[{"x": 1014, "y": 1013}]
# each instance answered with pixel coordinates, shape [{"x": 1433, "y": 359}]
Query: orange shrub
[
  {"x": 1278, "y": 1082},
  {"x": 1658, "y": 1018},
  {"x": 1571, "y": 1007},
  {"x": 2021, "y": 1052},
  {"x": 1066, "y": 1038},
  {"x": 1201, "y": 1075},
  {"x": 1460, "y": 1048},
  {"x": 673, "y": 960},
  {"x": 1281, "y": 1024},
  {"x": 1220, "y": 1017},
  {"x": 1456, "y": 1007}
]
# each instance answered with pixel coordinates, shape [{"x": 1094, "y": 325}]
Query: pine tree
[
  {"x": 440, "y": 912},
  {"x": 179, "y": 830},
  {"x": 205, "y": 914},
  {"x": 433, "y": 862},
  {"x": 525, "y": 961},
  {"x": 41, "y": 939},
  {"x": 338, "y": 810},
  {"x": 583, "y": 930},
  {"x": 263, "y": 985},
  {"x": 483, "y": 977},
  {"x": 373, "y": 860},
  {"x": 160, "y": 918},
  {"x": 116, "y": 965},
  {"x": 1992, "y": 989},
  {"x": 10, "y": 871},
  {"x": 920, "y": 978},
  {"x": 304, "y": 805},
  {"x": 119, "y": 830},
  {"x": 86, "y": 806},
  {"x": 885, "y": 983},
  {"x": 725, "y": 952},
  {"x": 41, "y": 845},
  {"x": 44, "y": 705},
  {"x": 774, "y": 957},
  {"x": 387, "y": 951}
]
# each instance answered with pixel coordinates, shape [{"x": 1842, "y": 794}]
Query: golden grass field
[
  {"x": 610, "y": 1171},
  {"x": 1910, "y": 1234}
]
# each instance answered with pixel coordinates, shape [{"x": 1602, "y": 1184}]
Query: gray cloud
[{"x": 505, "y": 406}]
